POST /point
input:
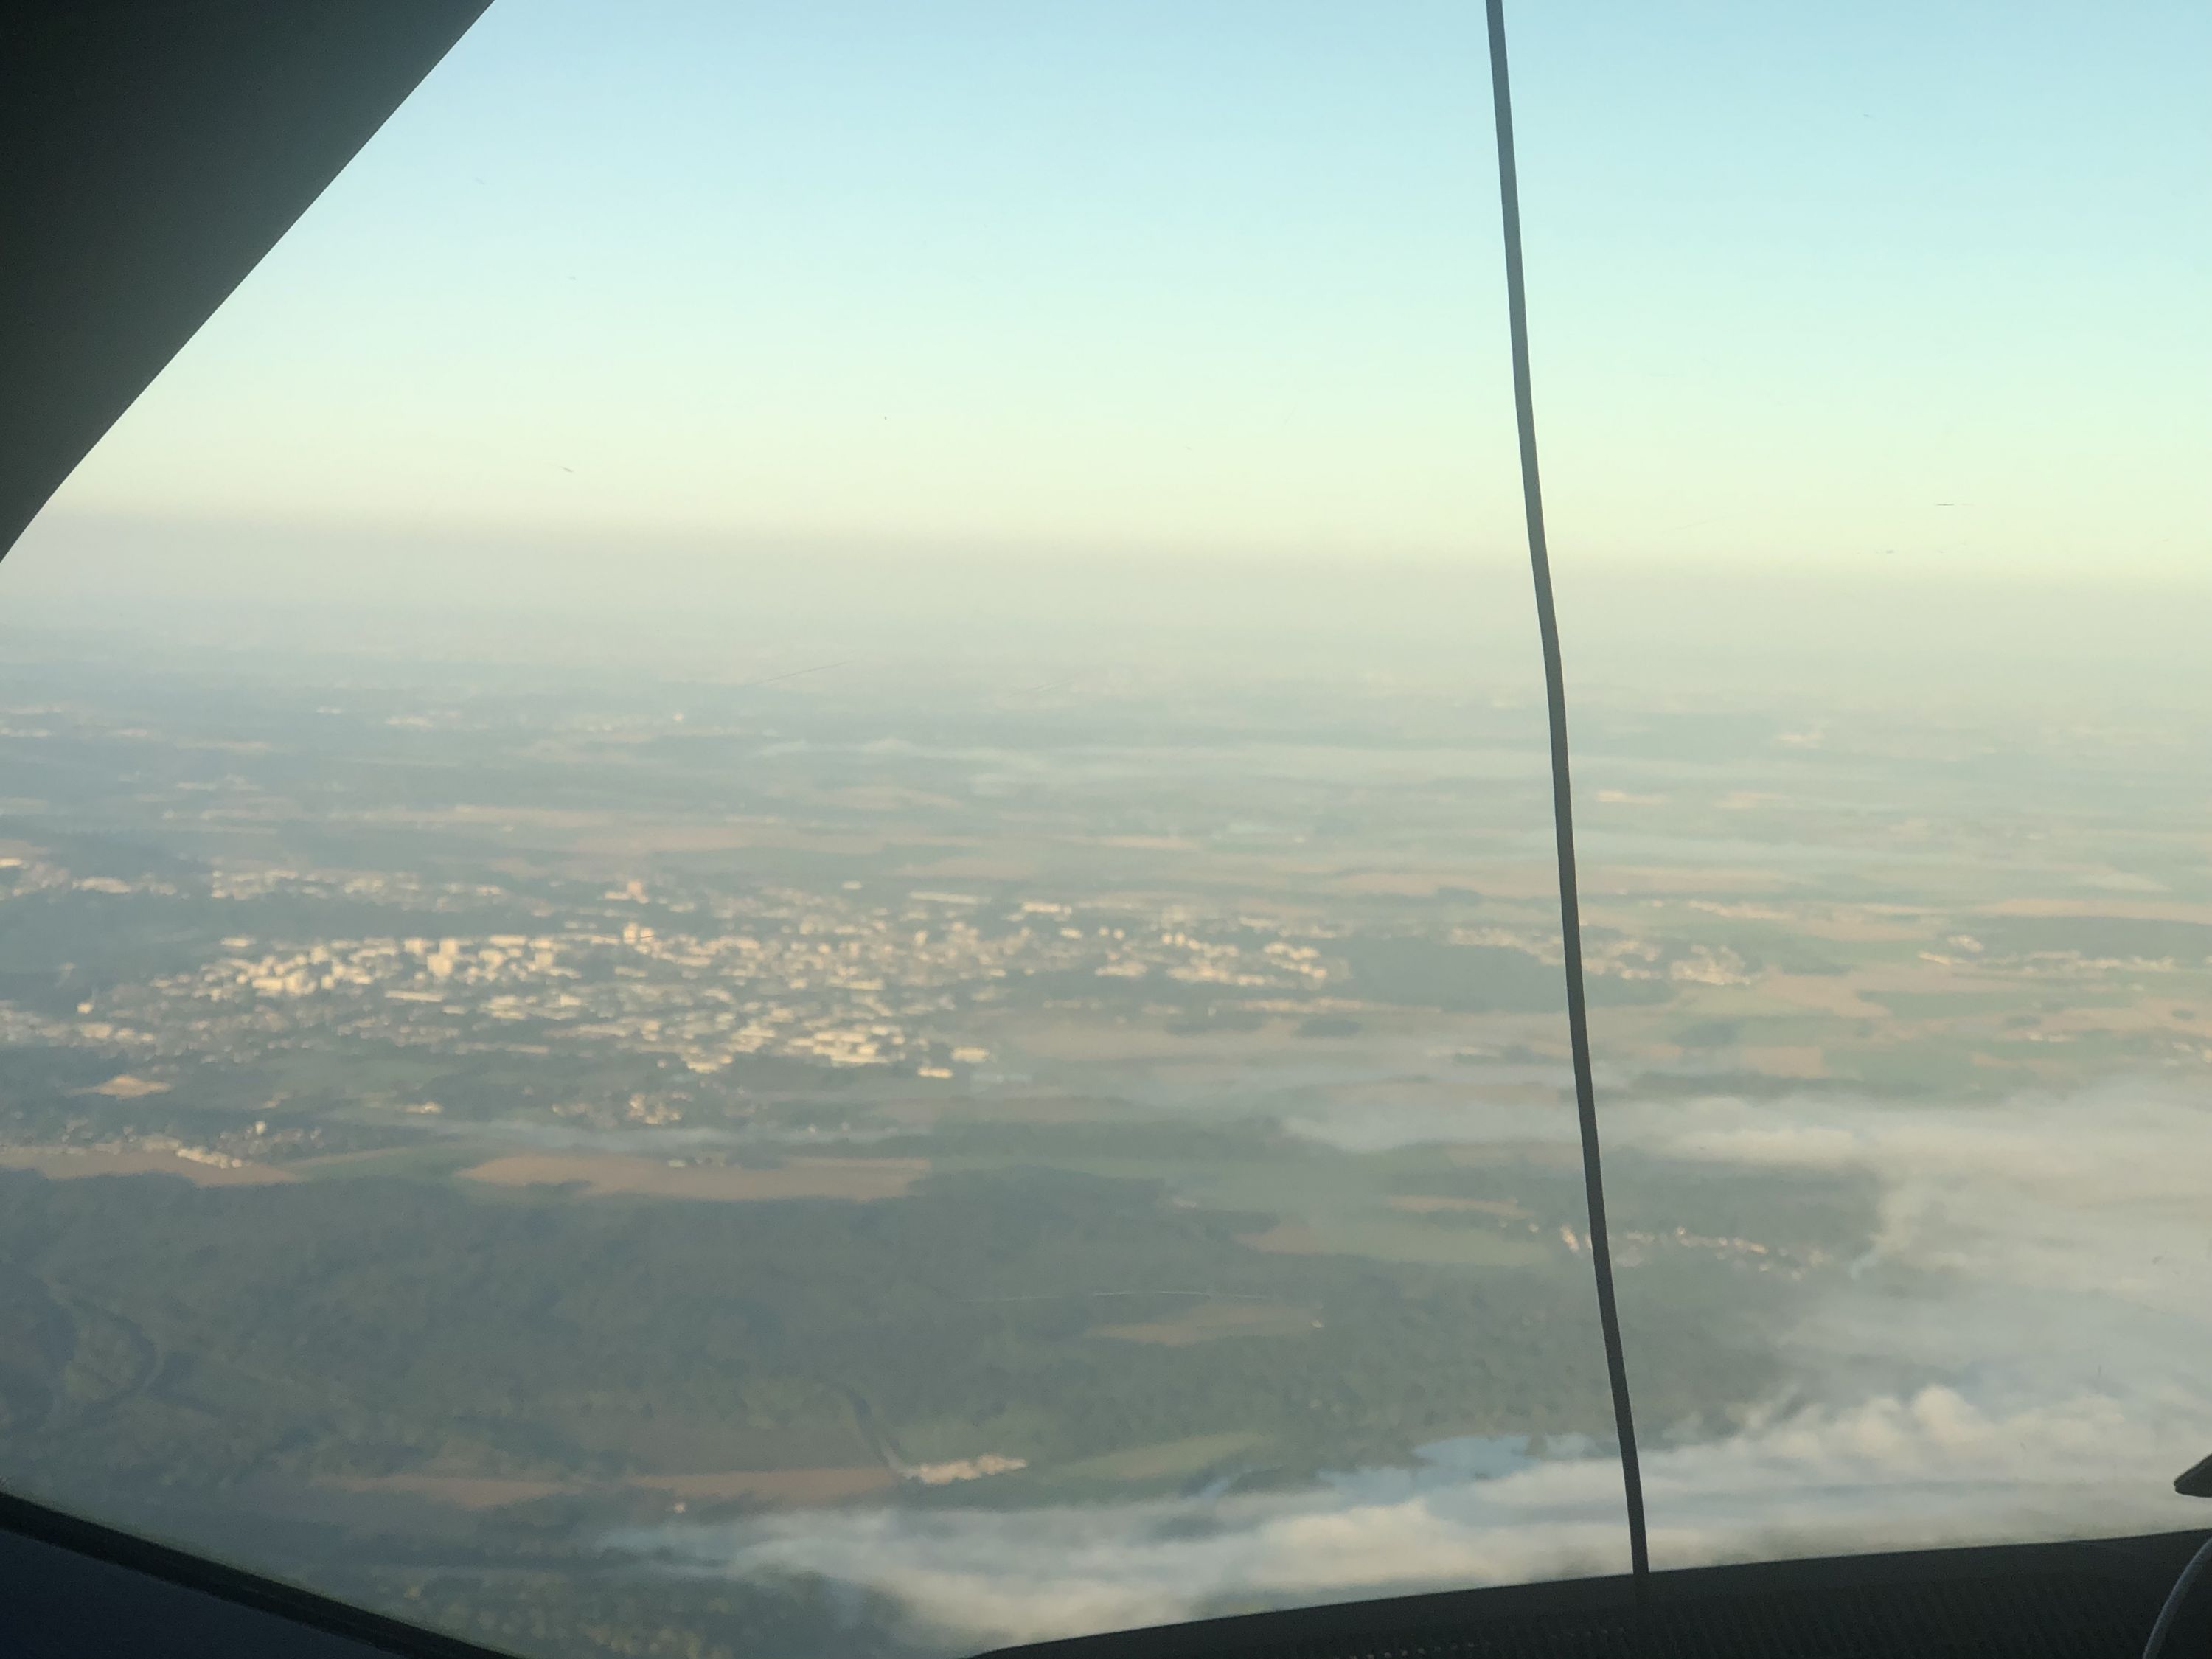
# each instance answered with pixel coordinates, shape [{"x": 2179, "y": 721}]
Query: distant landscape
[{"x": 612, "y": 1166}]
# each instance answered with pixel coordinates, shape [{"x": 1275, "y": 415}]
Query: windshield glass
[{"x": 775, "y": 865}]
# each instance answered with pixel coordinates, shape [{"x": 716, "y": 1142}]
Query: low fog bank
[
  {"x": 2024, "y": 1352},
  {"x": 1892, "y": 1472}
]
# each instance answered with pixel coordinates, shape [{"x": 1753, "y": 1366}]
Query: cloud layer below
[{"x": 2047, "y": 1262}]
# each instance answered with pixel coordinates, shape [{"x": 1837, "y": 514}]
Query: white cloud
[
  {"x": 2049, "y": 1260},
  {"x": 1894, "y": 1472}
]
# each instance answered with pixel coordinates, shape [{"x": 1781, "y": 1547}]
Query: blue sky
[{"x": 1220, "y": 277}]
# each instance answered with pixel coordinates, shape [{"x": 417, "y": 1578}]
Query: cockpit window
[{"x": 774, "y": 855}]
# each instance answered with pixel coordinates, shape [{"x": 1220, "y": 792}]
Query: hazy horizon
[{"x": 1887, "y": 630}]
